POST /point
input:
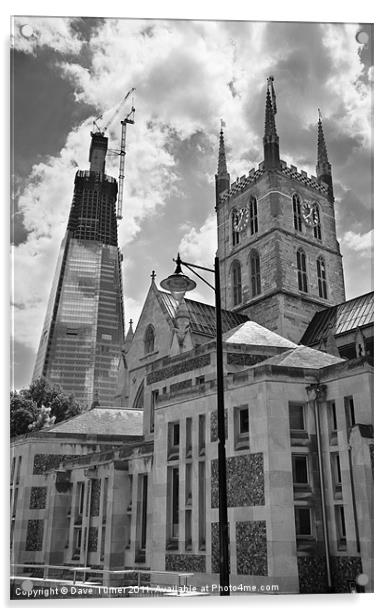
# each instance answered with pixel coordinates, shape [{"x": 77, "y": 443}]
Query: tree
[
  {"x": 22, "y": 413},
  {"x": 44, "y": 419},
  {"x": 39, "y": 406}
]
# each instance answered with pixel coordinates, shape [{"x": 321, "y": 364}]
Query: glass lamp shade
[{"x": 178, "y": 285}]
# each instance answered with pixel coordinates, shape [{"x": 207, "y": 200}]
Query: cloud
[
  {"x": 53, "y": 32},
  {"x": 200, "y": 245},
  {"x": 362, "y": 243}
]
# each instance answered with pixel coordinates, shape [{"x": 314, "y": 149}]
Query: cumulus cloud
[
  {"x": 52, "y": 32},
  {"x": 362, "y": 243},
  {"x": 200, "y": 245}
]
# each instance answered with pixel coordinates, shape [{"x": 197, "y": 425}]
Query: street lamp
[{"x": 178, "y": 284}]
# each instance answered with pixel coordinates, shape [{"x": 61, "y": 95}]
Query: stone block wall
[
  {"x": 38, "y": 497},
  {"x": 251, "y": 541},
  {"x": 245, "y": 481},
  {"x": 185, "y": 562},
  {"x": 34, "y": 537}
]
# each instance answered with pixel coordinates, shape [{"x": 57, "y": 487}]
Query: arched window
[
  {"x": 317, "y": 227},
  {"x": 149, "y": 339},
  {"x": 297, "y": 213},
  {"x": 253, "y": 215},
  {"x": 255, "y": 273},
  {"x": 235, "y": 234},
  {"x": 302, "y": 273},
  {"x": 236, "y": 279},
  {"x": 321, "y": 277}
]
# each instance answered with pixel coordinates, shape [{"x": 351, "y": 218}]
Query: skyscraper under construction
[{"x": 83, "y": 329}]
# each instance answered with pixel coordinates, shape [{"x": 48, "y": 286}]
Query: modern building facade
[{"x": 82, "y": 334}]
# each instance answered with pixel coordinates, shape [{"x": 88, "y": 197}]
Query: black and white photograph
[{"x": 192, "y": 353}]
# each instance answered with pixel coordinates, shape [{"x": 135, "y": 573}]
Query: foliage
[{"x": 39, "y": 406}]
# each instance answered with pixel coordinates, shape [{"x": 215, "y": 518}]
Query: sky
[{"x": 188, "y": 75}]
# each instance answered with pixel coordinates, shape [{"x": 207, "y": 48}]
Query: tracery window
[
  {"x": 302, "y": 272},
  {"x": 297, "y": 213},
  {"x": 236, "y": 280}
]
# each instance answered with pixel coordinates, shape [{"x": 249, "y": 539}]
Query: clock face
[
  {"x": 241, "y": 219},
  {"x": 310, "y": 214}
]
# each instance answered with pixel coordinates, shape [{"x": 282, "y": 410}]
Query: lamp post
[{"x": 178, "y": 284}]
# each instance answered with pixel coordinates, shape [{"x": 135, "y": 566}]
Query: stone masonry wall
[{"x": 245, "y": 481}]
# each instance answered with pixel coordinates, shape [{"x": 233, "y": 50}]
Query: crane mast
[{"x": 129, "y": 119}]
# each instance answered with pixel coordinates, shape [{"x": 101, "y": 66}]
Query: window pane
[
  {"x": 297, "y": 417},
  {"x": 302, "y": 521},
  {"x": 300, "y": 469}
]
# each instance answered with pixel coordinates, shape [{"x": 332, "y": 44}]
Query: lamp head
[{"x": 178, "y": 283}]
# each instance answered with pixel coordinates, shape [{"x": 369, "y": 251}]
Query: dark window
[
  {"x": 236, "y": 276},
  {"x": 202, "y": 434},
  {"x": 336, "y": 469},
  {"x": 188, "y": 486},
  {"x": 144, "y": 511},
  {"x": 102, "y": 543},
  {"x": 173, "y": 507},
  {"x": 255, "y": 273},
  {"x": 297, "y": 213},
  {"x": 332, "y": 415},
  {"x": 235, "y": 234},
  {"x": 297, "y": 416},
  {"x": 253, "y": 215},
  {"x": 321, "y": 277},
  {"x": 173, "y": 440},
  {"x": 149, "y": 339},
  {"x": 302, "y": 521},
  {"x": 202, "y": 506},
  {"x": 241, "y": 427},
  {"x": 80, "y": 497},
  {"x": 300, "y": 474},
  {"x": 317, "y": 228},
  {"x": 153, "y": 404},
  {"x": 302, "y": 273},
  {"x": 244, "y": 421},
  {"x": 349, "y": 411},
  {"x": 188, "y": 437},
  {"x": 188, "y": 530},
  {"x": 340, "y": 527}
]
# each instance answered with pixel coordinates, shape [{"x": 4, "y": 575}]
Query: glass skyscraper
[{"x": 82, "y": 333}]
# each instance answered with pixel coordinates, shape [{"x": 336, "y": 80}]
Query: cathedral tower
[
  {"x": 279, "y": 255},
  {"x": 83, "y": 329}
]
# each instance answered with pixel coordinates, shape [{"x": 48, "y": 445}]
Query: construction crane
[
  {"x": 129, "y": 119},
  {"x": 114, "y": 115}
]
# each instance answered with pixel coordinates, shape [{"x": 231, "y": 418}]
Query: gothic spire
[
  {"x": 222, "y": 168},
  {"x": 222, "y": 177},
  {"x": 270, "y": 139},
  {"x": 322, "y": 154},
  {"x": 324, "y": 168}
]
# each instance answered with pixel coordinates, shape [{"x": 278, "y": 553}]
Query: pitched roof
[
  {"x": 255, "y": 334},
  {"x": 303, "y": 357},
  {"x": 356, "y": 312},
  {"x": 100, "y": 420},
  {"x": 202, "y": 316}
]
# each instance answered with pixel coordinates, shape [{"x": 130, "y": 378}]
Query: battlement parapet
[
  {"x": 301, "y": 176},
  {"x": 242, "y": 183},
  {"x": 291, "y": 171}
]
